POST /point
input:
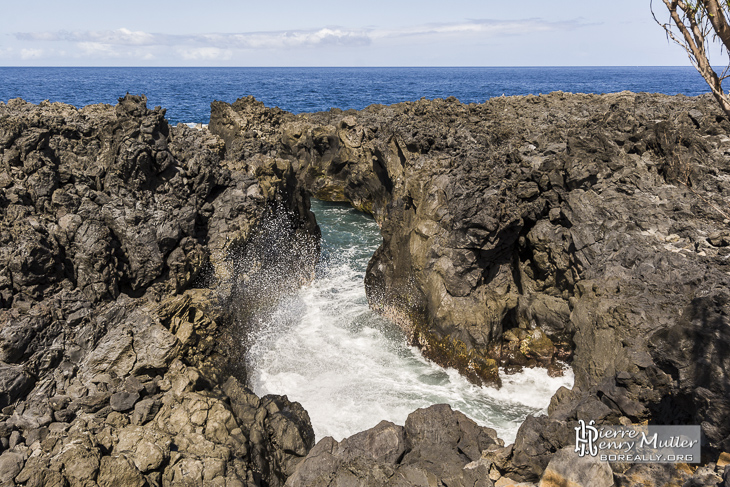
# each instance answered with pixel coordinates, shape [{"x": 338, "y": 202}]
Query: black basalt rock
[
  {"x": 113, "y": 350},
  {"x": 590, "y": 227}
]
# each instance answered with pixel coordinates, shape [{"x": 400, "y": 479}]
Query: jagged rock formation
[
  {"x": 436, "y": 446},
  {"x": 117, "y": 365},
  {"x": 525, "y": 229},
  {"x": 515, "y": 232}
]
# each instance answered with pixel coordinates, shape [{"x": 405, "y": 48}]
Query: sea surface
[
  {"x": 186, "y": 93},
  {"x": 351, "y": 369},
  {"x": 323, "y": 346}
]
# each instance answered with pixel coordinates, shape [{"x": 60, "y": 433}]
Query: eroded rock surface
[
  {"x": 530, "y": 229},
  {"x": 437, "y": 446},
  {"x": 518, "y": 232},
  {"x": 118, "y": 363}
]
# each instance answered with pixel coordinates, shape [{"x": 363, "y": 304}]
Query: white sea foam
[
  {"x": 350, "y": 369},
  {"x": 198, "y": 126}
]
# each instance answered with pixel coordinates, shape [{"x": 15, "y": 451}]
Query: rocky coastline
[
  {"x": 525, "y": 231},
  {"x": 117, "y": 358}
]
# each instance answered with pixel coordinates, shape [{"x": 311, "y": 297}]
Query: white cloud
[
  {"x": 291, "y": 39},
  {"x": 39, "y": 36},
  {"x": 246, "y": 40},
  {"x": 31, "y": 53},
  {"x": 121, "y": 36},
  {"x": 125, "y": 45},
  {"x": 485, "y": 27},
  {"x": 205, "y": 54},
  {"x": 97, "y": 48},
  {"x": 111, "y": 51},
  {"x": 216, "y": 46}
]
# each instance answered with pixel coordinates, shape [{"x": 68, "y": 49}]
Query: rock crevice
[{"x": 529, "y": 230}]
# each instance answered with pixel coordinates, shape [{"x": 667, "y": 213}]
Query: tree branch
[
  {"x": 694, "y": 45},
  {"x": 718, "y": 21}
]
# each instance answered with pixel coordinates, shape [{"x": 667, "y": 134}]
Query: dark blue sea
[{"x": 187, "y": 92}]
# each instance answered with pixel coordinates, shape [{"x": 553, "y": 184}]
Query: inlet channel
[{"x": 351, "y": 368}]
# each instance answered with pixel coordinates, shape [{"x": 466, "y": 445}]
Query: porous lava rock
[
  {"x": 532, "y": 230},
  {"x": 121, "y": 240}
]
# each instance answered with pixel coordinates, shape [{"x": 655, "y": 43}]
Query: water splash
[{"x": 350, "y": 368}]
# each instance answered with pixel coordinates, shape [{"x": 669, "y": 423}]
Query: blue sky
[{"x": 333, "y": 33}]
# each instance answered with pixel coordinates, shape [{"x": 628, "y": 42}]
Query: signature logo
[
  {"x": 638, "y": 443},
  {"x": 585, "y": 438}
]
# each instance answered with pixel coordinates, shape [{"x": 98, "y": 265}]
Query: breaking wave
[{"x": 351, "y": 368}]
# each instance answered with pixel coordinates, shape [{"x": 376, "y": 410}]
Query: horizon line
[{"x": 358, "y": 67}]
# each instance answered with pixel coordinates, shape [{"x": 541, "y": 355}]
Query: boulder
[
  {"x": 15, "y": 382},
  {"x": 119, "y": 470},
  {"x": 567, "y": 469},
  {"x": 11, "y": 464},
  {"x": 437, "y": 444},
  {"x": 123, "y": 401}
]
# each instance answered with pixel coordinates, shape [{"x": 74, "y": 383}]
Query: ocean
[{"x": 186, "y": 93}]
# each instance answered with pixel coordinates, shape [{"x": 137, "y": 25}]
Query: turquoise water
[{"x": 350, "y": 368}]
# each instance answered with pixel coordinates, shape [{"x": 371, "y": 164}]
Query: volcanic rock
[
  {"x": 597, "y": 222},
  {"x": 437, "y": 445},
  {"x": 113, "y": 349},
  {"x": 565, "y": 468},
  {"x": 521, "y": 232}
]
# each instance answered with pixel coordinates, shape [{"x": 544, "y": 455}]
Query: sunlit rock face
[
  {"x": 516, "y": 232},
  {"x": 122, "y": 239},
  {"x": 528, "y": 229}
]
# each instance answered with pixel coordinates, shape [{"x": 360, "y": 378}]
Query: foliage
[{"x": 693, "y": 25}]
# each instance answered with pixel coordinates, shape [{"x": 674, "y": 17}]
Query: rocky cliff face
[
  {"x": 516, "y": 232},
  {"x": 117, "y": 360},
  {"x": 529, "y": 229}
]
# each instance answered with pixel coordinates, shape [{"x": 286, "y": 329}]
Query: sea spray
[
  {"x": 259, "y": 274},
  {"x": 350, "y": 368}
]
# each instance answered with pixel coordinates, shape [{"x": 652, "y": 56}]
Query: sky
[{"x": 334, "y": 33}]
